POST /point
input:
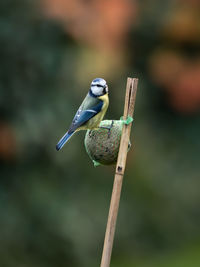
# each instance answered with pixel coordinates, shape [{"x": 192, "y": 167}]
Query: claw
[{"x": 109, "y": 131}]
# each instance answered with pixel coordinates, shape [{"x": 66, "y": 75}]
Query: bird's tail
[{"x": 63, "y": 140}]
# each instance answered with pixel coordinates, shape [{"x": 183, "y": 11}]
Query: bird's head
[{"x": 98, "y": 87}]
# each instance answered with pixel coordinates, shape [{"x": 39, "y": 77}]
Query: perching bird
[{"x": 91, "y": 111}]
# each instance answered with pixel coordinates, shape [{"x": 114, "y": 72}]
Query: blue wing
[{"x": 84, "y": 114}]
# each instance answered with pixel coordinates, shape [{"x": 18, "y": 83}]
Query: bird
[{"x": 91, "y": 111}]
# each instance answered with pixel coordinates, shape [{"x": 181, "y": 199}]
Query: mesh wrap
[{"x": 101, "y": 145}]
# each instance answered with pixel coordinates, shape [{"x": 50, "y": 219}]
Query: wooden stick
[{"x": 131, "y": 89}]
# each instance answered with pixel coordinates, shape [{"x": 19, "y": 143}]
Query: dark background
[{"x": 54, "y": 205}]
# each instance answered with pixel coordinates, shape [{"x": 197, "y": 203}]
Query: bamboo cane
[{"x": 131, "y": 89}]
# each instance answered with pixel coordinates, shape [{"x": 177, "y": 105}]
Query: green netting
[{"x": 102, "y": 145}]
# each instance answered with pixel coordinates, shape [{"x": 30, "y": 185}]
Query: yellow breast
[
  {"x": 105, "y": 100},
  {"x": 95, "y": 121}
]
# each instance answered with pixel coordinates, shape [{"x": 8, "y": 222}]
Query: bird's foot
[{"x": 108, "y": 128}]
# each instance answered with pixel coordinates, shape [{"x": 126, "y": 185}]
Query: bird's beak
[{"x": 106, "y": 87}]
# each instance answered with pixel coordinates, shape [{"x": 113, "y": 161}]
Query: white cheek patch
[{"x": 97, "y": 90}]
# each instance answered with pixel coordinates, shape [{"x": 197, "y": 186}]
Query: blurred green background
[{"x": 54, "y": 205}]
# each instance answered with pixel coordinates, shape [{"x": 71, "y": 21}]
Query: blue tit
[{"x": 91, "y": 111}]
